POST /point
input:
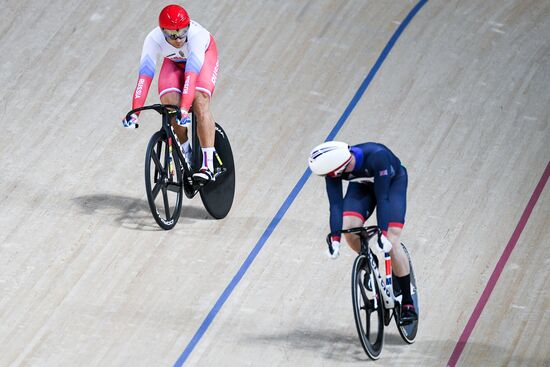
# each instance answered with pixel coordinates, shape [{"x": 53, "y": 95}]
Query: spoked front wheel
[
  {"x": 408, "y": 332},
  {"x": 163, "y": 181},
  {"x": 367, "y": 308}
]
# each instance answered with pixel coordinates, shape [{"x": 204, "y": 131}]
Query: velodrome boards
[{"x": 88, "y": 279}]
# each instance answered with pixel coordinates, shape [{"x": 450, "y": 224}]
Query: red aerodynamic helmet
[{"x": 173, "y": 17}]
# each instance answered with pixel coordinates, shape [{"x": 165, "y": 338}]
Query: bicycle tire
[
  {"x": 217, "y": 196},
  {"x": 364, "y": 308},
  {"x": 408, "y": 332},
  {"x": 158, "y": 180}
]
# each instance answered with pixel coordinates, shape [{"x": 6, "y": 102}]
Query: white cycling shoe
[{"x": 203, "y": 176}]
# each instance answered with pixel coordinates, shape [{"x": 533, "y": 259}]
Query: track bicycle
[
  {"x": 168, "y": 174},
  {"x": 377, "y": 298}
]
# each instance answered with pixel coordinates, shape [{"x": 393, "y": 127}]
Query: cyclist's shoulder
[
  {"x": 369, "y": 146},
  {"x": 196, "y": 28},
  {"x": 155, "y": 36}
]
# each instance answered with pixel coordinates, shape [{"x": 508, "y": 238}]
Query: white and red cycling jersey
[{"x": 192, "y": 67}]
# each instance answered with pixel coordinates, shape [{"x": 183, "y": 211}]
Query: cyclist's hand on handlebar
[
  {"x": 130, "y": 122},
  {"x": 183, "y": 118},
  {"x": 384, "y": 243},
  {"x": 333, "y": 250}
]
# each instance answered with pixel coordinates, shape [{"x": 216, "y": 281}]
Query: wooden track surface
[{"x": 88, "y": 279}]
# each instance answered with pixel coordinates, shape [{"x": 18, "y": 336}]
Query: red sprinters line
[{"x": 459, "y": 347}]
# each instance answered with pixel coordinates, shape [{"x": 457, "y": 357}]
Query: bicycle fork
[{"x": 171, "y": 167}]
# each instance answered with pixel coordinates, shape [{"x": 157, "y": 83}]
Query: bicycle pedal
[{"x": 219, "y": 171}]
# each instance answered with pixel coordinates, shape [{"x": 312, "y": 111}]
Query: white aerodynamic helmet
[{"x": 329, "y": 158}]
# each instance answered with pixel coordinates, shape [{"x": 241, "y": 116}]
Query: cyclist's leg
[
  {"x": 359, "y": 204},
  {"x": 206, "y": 126},
  {"x": 398, "y": 207},
  {"x": 206, "y": 83},
  {"x": 351, "y": 221},
  {"x": 400, "y": 261},
  {"x": 169, "y": 85}
]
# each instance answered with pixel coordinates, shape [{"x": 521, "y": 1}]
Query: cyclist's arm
[
  {"x": 198, "y": 41},
  {"x": 149, "y": 55},
  {"x": 336, "y": 201}
]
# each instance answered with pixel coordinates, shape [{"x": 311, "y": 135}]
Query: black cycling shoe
[{"x": 408, "y": 314}]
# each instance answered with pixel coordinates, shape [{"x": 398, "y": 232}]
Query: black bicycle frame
[{"x": 167, "y": 110}]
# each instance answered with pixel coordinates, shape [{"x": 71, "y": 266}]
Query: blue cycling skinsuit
[{"x": 378, "y": 180}]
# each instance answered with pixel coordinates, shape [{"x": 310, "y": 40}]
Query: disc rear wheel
[{"x": 217, "y": 196}]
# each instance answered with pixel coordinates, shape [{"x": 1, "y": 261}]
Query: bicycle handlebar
[
  {"x": 365, "y": 232},
  {"x": 163, "y": 109}
]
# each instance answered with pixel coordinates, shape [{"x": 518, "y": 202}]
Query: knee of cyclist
[
  {"x": 201, "y": 103},
  {"x": 394, "y": 234},
  {"x": 350, "y": 237},
  {"x": 171, "y": 98},
  {"x": 351, "y": 222}
]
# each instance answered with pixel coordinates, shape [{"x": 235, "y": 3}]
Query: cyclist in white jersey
[{"x": 187, "y": 78}]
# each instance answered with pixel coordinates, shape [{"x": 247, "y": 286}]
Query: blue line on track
[{"x": 294, "y": 193}]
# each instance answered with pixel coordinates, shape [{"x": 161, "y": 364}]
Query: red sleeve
[
  {"x": 142, "y": 89},
  {"x": 188, "y": 90}
]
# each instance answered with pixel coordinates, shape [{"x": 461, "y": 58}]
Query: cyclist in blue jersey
[{"x": 376, "y": 179}]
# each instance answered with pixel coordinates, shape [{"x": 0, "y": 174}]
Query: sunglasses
[{"x": 177, "y": 34}]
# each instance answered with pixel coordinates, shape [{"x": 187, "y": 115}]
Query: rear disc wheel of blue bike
[
  {"x": 367, "y": 308},
  {"x": 163, "y": 185}
]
